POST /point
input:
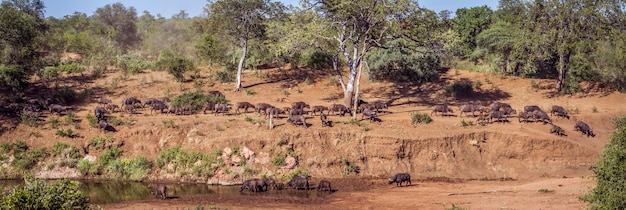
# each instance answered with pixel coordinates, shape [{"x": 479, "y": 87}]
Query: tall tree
[
  {"x": 356, "y": 27},
  {"x": 498, "y": 39},
  {"x": 123, "y": 21},
  {"x": 469, "y": 22},
  {"x": 240, "y": 21},
  {"x": 21, "y": 27}
]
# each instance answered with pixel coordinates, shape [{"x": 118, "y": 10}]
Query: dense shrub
[
  {"x": 417, "y": 118},
  {"x": 176, "y": 65},
  {"x": 227, "y": 73},
  {"x": 131, "y": 169},
  {"x": 402, "y": 64},
  {"x": 36, "y": 194},
  {"x": 199, "y": 164},
  {"x": 462, "y": 88},
  {"x": 316, "y": 60},
  {"x": 610, "y": 172},
  {"x": 71, "y": 68},
  {"x": 132, "y": 63},
  {"x": 109, "y": 156}
]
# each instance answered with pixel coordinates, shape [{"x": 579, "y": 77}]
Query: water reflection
[{"x": 103, "y": 192}]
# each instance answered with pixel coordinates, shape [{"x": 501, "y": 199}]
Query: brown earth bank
[{"x": 525, "y": 154}]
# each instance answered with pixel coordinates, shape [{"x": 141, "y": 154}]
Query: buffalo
[{"x": 400, "y": 178}]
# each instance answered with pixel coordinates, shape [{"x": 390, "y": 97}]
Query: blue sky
[{"x": 60, "y": 8}]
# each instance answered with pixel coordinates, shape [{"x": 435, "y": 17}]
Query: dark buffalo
[
  {"x": 495, "y": 106},
  {"x": 557, "y": 130},
  {"x": 524, "y": 116},
  {"x": 131, "y": 101},
  {"x": 371, "y": 115},
  {"x": 56, "y": 108},
  {"x": 275, "y": 112},
  {"x": 299, "y": 105},
  {"x": 299, "y": 182},
  {"x": 364, "y": 107},
  {"x": 297, "y": 120},
  {"x": 319, "y": 109},
  {"x": 441, "y": 108},
  {"x": 189, "y": 109},
  {"x": 532, "y": 108},
  {"x": 542, "y": 116},
  {"x": 111, "y": 107},
  {"x": 129, "y": 108},
  {"x": 325, "y": 121},
  {"x": 149, "y": 102},
  {"x": 324, "y": 185},
  {"x": 175, "y": 110},
  {"x": 378, "y": 105},
  {"x": 208, "y": 106},
  {"x": 399, "y": 178},
  {"x": 500, "y": 117},
  {"x": 340, "y": 108},
  {"x": 222, "y": 108},
  {"x": 161, "y": 107},
  {"x": 298, "y": 112},
  {"x": 584, "y": 128},
  {"x": 262, "y": 107},
  {"x": 253, "y": 185},
  {"x": 99, "y": 112},
  {"x": 470, "y": 108},
  {"x": 243, "y": 105},
  {"x": 560, "y": 111},
  {"x": 269, "y": 183},
  {"x": 104, "y": 125},
  {"x": 160, "y": 190}
]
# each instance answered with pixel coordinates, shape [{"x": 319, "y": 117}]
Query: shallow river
[{"x": 103, "y": 192}]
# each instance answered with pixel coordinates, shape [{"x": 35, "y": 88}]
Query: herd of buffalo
[
  {"x": 297, "y": 113},
  {"x": 502, "y": 111}
]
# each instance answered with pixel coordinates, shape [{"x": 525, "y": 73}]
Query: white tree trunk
[{"x": 244, "y": 50}]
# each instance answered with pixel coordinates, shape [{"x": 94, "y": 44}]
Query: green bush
[
  {"x": 99, "y": 143},
  {"x": 36, "y": 194},
  {"x": 463, "y": 88},
  {"x": 93, "y": 121},
  {"x": 87, "y": 167},
  {"x": 71, "y": 68},
  {"x": 175, "y": 65},
  {"x": 420, "y": 118},
  {"x": 200, "y": 164},
  {"x": 227, "y": 74},
  {"x": 67, "y": 133},
  {"x": 131, "y": 169},
  {"x": 403, "y": 64},
  {"x": 610, "y": 172},
  {"x": 54, "y": 122},
  {"x": 109, "y": 155},
  {"x": 316, "y": 60},
  {"x": 279, "y": 160},
  {"x": 132, "y": 63},
  {"x": 58, "y": 148}
]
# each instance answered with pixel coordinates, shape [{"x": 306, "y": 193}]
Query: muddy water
[{"x": 105, "y": 192}]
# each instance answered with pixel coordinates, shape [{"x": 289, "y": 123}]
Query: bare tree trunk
[
  {"x": 271, "y": 121},
  {"x": 355, "y": 104},
  {"x": 563, "y": 61},
  {"x": 244, "y": 50}
]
